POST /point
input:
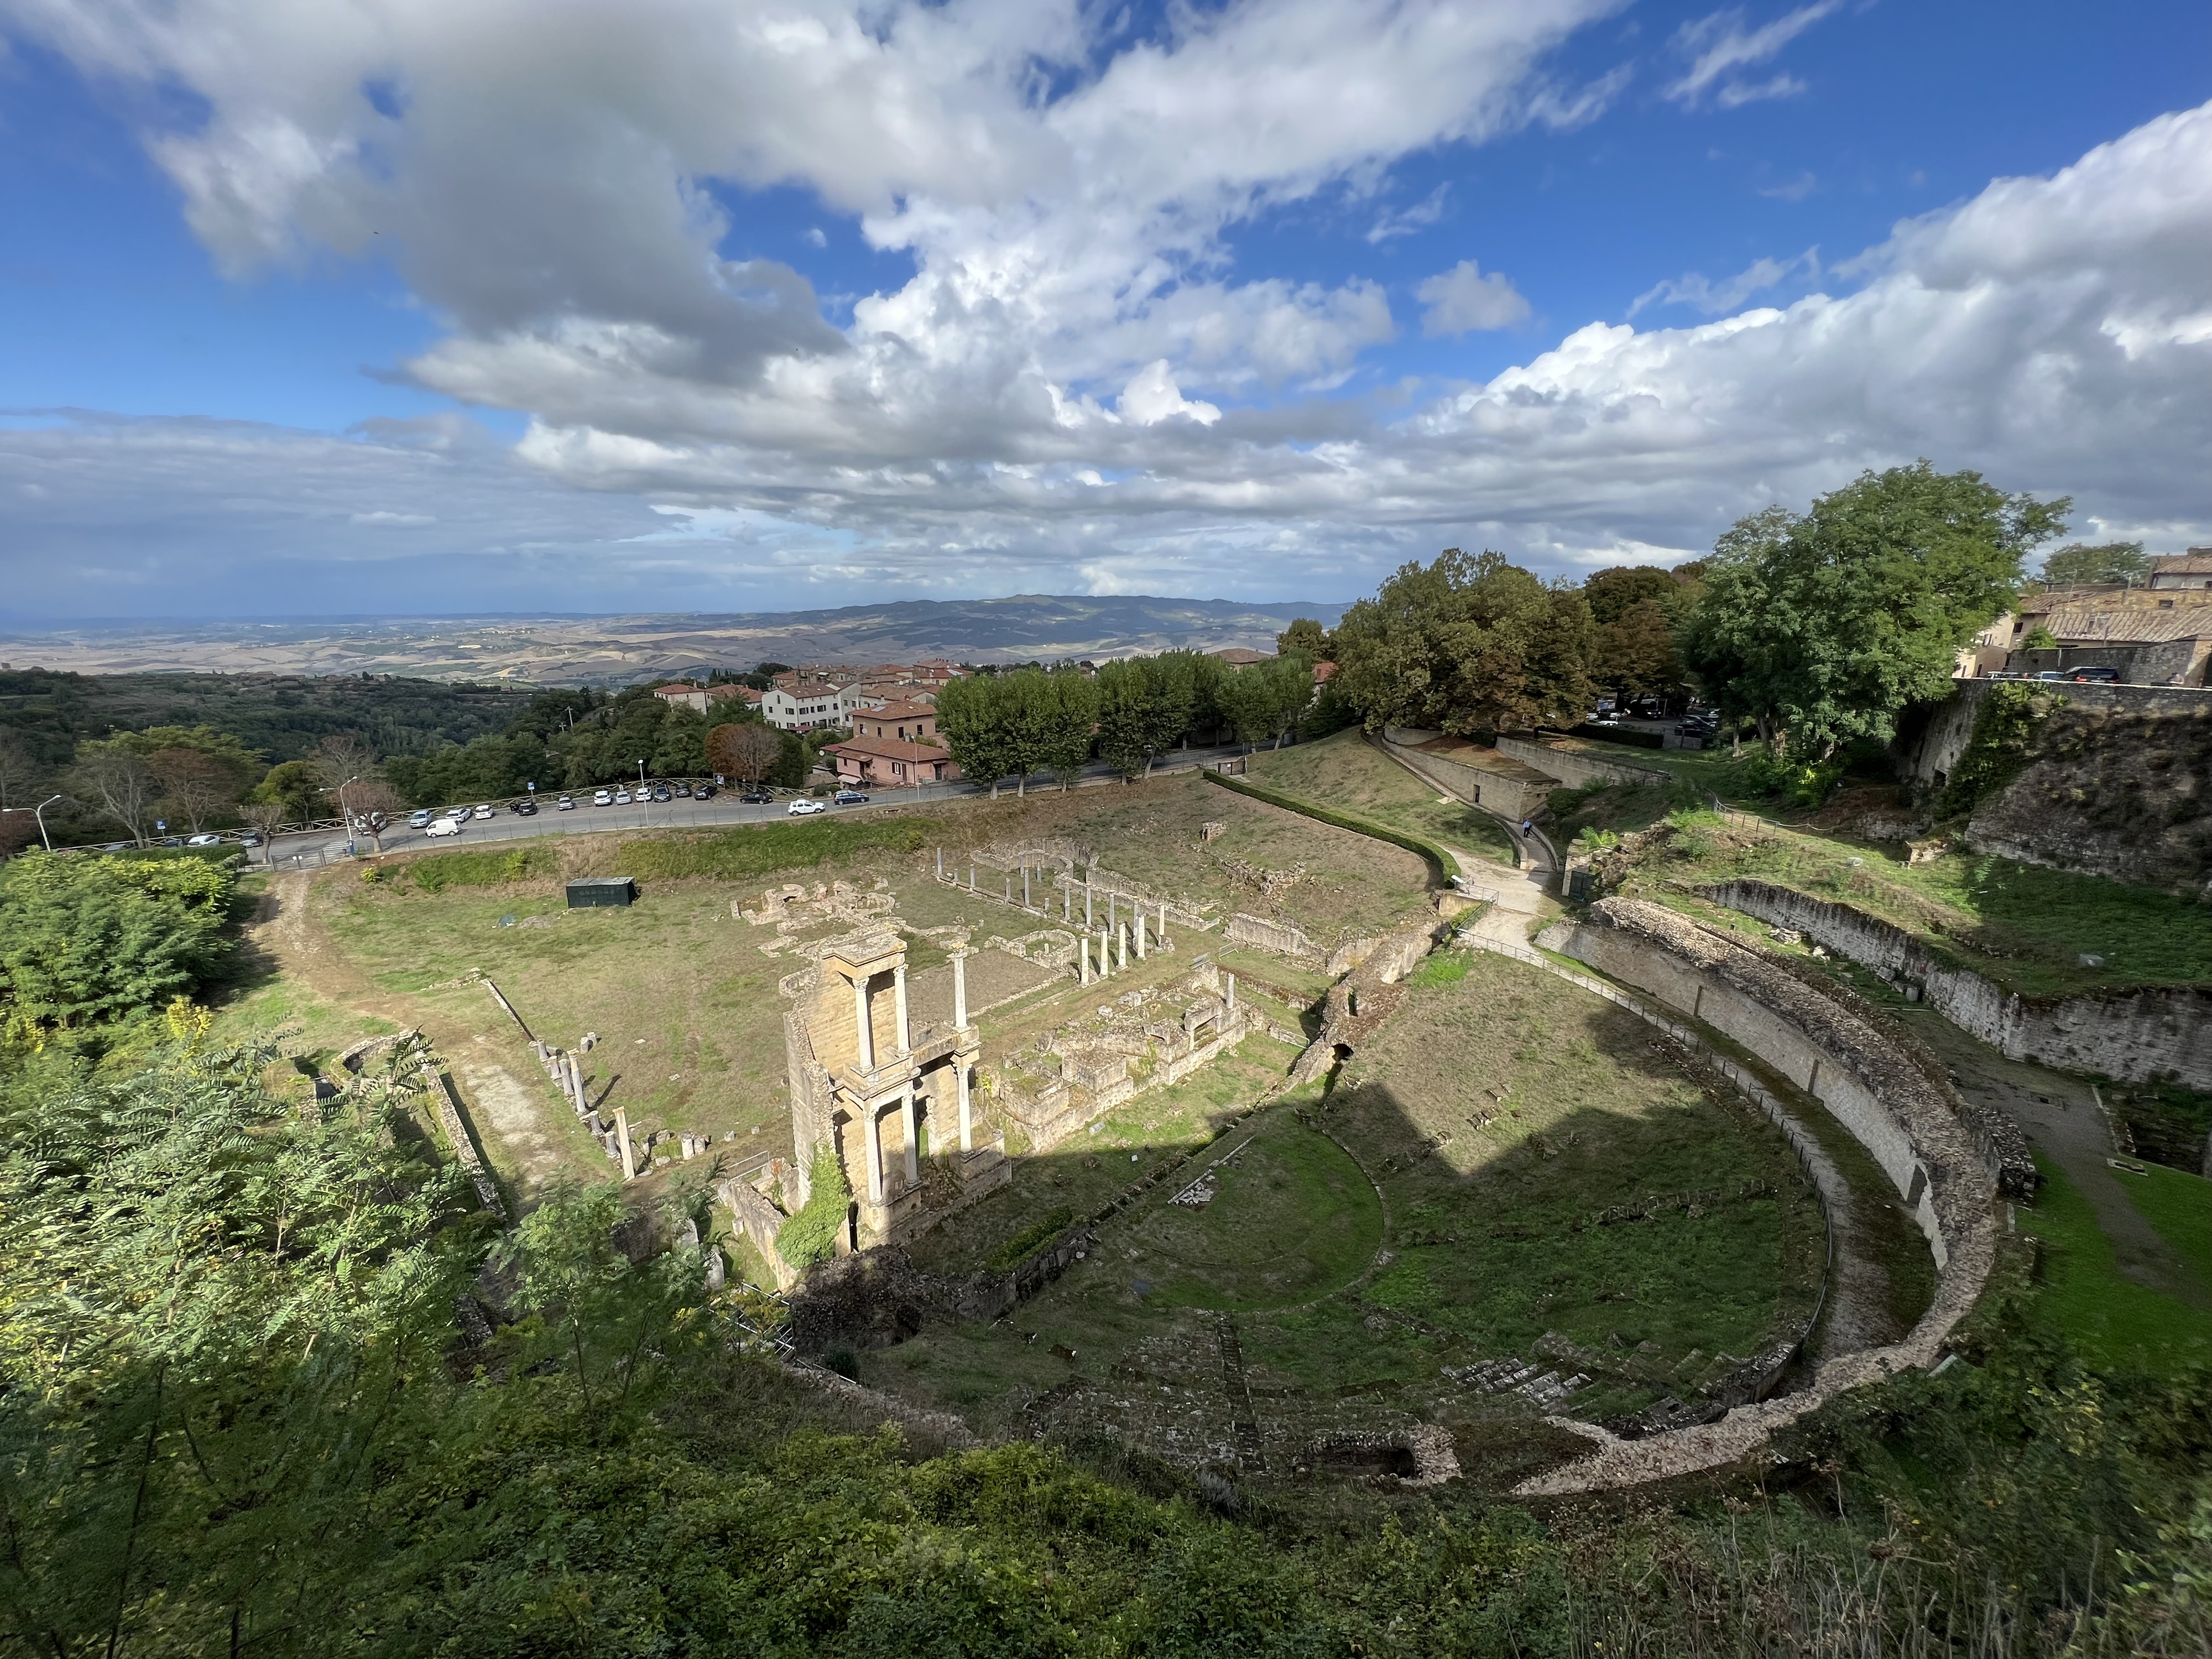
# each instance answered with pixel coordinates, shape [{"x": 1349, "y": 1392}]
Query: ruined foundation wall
[
  {"x": 2131, "y": 1035},
  {"x": 1872, "y": 1088}
]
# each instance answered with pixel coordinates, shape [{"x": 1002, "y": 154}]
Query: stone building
[{"x": 867, "y": 1080}]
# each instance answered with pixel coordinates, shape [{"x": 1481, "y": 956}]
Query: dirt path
[
  {"x": 2060, "y": 1116},
  {"x": 511, "y": 1116}
]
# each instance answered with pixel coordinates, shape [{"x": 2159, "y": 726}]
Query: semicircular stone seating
[{"x": 1947, "y": 1164}]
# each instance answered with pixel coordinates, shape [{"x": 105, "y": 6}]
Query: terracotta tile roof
[
  {"x": 2198, "y": 561},
  {"x": 889, "y": 748},
  {"x": 2130, "y": 627}
]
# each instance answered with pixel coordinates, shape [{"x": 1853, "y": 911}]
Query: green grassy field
[
  {"x": 1344, "y": 771},
  {"x": 2110, "y": 1319},
  {"x": 1492, "y": 1239},
  {"x": 1293, "y": 1218}
]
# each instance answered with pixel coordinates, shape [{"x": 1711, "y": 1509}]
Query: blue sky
[{"x": 398, "y": 317}]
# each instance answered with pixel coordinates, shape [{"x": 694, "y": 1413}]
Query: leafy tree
[
  {"x": 1306, "y": 636},
  {"x": 1464, "y": 645},
  {"x": 265, "y": 817},
  {"x": 1071, "y": 719},
  {"x": 1124, "y": 741},
  {"x": 375, "y": 803},
  {"x": 1822, "y": 628},
  {"x": 975, "y": 721},
  {"x": 19, "y": 773},
  {"x": 1613, "y": 593},
  {"x": 1171, "y": 681},
  {"x": 2102, "y": 564},
  {"x": 89, "y": 941},
  {"x": 297, "y": 786}
]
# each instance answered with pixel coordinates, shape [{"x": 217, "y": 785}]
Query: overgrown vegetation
[
  {"x": 1032, "y": 1238},
  {"x": 756, "y": 849},
  {"x": 2006, "y": 728},
  {"x": 811, "y": 1236},
  {"x": 492, "y": 867}
]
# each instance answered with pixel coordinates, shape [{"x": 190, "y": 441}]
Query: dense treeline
[
  {"x": 1815, "y": 630},
  {"x": 237, "y": 1415}
]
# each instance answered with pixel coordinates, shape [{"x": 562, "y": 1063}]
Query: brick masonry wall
[{"x": 2131, "y": 1035}]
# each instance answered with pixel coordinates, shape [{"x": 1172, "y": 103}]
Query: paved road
[{"x": 320, "y": 845}]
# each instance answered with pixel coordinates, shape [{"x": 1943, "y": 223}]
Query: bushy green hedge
[
  {"x": 811, "y": 1234},
  {"x": 492, "y": 867},
  {"x": 756, "y": 850},
  {"x": 1442, "y": 863},
  {"x": 1031, "y": 1239}
]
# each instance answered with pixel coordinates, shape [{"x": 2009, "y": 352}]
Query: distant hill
[{"x": 569, "y": 650}]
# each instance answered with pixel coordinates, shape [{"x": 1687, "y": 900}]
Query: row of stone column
[
  {"x": 1113, "y": 946},
  {"x": 1066, "y": 898},
  {"x": 566, "y": 1072}
]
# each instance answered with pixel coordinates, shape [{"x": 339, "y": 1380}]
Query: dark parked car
[
  {"x": 851, "y": 797},
  {"x": 524, "y": 808},
  {"x": 683, "y": 792},
  {"x": 2088, "y": 676},
  {"x": 704, "y": 791},
  {"x": 757, "y": 798},
  {"x": 662, "y": 792}
]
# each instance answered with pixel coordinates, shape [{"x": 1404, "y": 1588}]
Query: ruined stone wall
[
  {"x": 1279, "y": 938},
  {"x": 2136, "y": 1035},
  {"x": 1876, "y": 1092},
  {"x": 1578, "y": 771},
  {"x": 1873, "y": 1090}
]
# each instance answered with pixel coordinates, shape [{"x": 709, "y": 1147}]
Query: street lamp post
[
  {"x": 39, "y": 812},
  {"x": 346, "y": 813}
]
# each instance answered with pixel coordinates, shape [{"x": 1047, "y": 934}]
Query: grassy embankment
[{"x": 1343, "y": 771}]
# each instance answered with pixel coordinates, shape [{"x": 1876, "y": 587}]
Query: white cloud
[
  {"x": 394, "y": 521},
  {"x": 1405, "y": 221},
  {"x": 1792, "y": 190},
  {"x": 1702, "y": 293},
  {"x": 1720, "y": 45},
  {"x": 1462, "y": 300},
  {"x": 1153, "y": 395},
  {"x": 1077, "y": 384}
]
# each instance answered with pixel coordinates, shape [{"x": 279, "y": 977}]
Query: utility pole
[{"x": 39, "y": 812}]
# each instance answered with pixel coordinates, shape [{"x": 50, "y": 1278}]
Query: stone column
[
  {"x": 941, "y": 863},
  {"x": 1137, "y": 922},
  {"x": 621, "y": 1138},
  {"x": 1083, "y": 947},
  {"x": 875, "y": 1154},
  {"x": 1088, "y": 923},
  {"x": 1105, "y": 954},
  {"x": 966, "y": 1112},
  {"x": 971, "y": 878},
  {"x": 960, "y": 989},
  {"x": 1110, "y": 910},
  {"x": 864, "y": 1033},
  {"x": 1025, "y": 887},
  {"x": 913, "y": 1140},
  {"x": 1121, "y": 947},
  {"x": 576, "y": 1084},
  {"x": 1231, "y": 978},
  {"x": 898, "y": 995},
  {"x": 1067, "y": 904}
]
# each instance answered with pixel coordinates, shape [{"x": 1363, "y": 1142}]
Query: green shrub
[
  {"x": 1795, "y": 782},
  {"x": 1444, "y": 968},
  {"x": 1029, "y": 1239},
  {"x": 1443, "y": 864},
  {"x": 811, "y": 1234},
  {"x": 96, "y": 940}
]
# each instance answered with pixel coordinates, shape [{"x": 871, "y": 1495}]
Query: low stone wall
[
  {"x": 879, "y": 1297},
  {"x": 1872, "y": 1089},
  {"x": 1276, "y": 938},
  {"x": 2131, "y": 1035},
  {"x": 1578, "y": 771}
]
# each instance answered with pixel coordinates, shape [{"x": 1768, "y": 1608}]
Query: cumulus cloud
[
  {"x": 1720, "y": 45},
  {"x": 1076, "y": 385},
  {"x": 1462, "y": 300}
]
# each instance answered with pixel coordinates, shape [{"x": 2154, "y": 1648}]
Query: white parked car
[
  {"x": 444, "y": 827},
  {"x": 603, "y": 798},
  {"x": 804, "y": 809},
  {"x": 483, "y": 811},
  {"x": 204, "y": 841},
  {"x": 421, "y": 820},
  {"x": 457, "y": 813},
  {"x": 567, "y": 804},
  {"x": 621, "y": 797}
]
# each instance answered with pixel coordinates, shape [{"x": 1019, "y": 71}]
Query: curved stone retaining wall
[
  {"x": 2132, "y": 1035},
  {"x": 1875, "y": 1091}
]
